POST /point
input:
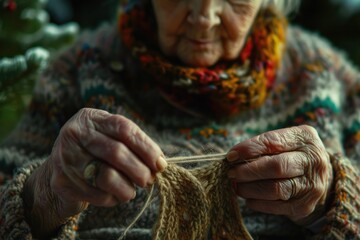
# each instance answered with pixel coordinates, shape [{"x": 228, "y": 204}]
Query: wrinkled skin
[
  {"x": 198, "y": 33},
  {"x": 202, "y": 32},
  {"x": 128, "y": 157},
  {"x": 264, "y": 164},
  {"x": 261, "y": 169}
]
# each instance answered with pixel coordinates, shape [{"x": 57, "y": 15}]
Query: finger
[
  {"x": 283, "y": 189},
  {"x": 115, "y": 183},
  {"x": 295, "y": 209},
  {"x": 284, "y": 165},
  {"x": 274, "y": 142},
  {"x": 70, "y": 155},
  {"x": 69, "y": 186},
  {"x": 120, "y": 157},
  {"x": 122, "y": 129},
  {"x": 79, "y": 145},
  {"x": 306, "y": 195},
  {"x": 267, "y": 190}
]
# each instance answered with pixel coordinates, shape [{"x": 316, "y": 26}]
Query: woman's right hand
[{"x": 127, "y": 157}]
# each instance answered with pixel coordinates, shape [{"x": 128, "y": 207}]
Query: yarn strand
[
  {"x": 146, "y": 205},
  {"x": 195, "y": 203},
  {"x": 200, "y": 158}
]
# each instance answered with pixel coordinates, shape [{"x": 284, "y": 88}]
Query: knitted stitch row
[{"x": 196, "y": 202}]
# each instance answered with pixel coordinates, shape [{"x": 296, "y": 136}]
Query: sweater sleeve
[
  {"x": 12, "y": 218},
  {"x": 337, "y": 120},
  {"x": 343, "y": 219}
]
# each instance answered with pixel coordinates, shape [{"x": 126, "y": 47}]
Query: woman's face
[{"x": 201, "y": 32}]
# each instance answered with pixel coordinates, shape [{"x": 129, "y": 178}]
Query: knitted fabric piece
[
  {"x": 12, "y": 218},
  {"x": 196, "y": 202}
]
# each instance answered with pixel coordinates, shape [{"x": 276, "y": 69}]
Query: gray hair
[{"x": 284, "y": 6}]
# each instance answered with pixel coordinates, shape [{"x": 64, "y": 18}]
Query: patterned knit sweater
[{"x": 316, "y": 85}]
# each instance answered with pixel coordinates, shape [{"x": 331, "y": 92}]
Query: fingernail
[
  {"x": 232, "y": 156},
  {"x": 161, "y": 164},
  {"x": 134, "y": 195}
]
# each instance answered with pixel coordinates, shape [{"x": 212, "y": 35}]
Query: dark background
[{"x": 337, "y": 20}]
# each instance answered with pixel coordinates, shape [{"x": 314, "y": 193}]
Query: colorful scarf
[{"x": 223, "y": 90}]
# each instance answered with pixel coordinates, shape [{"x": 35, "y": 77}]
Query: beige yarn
[{"x": 196, "y": 202}]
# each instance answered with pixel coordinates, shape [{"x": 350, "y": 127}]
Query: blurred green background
[{"x": 337, "y": 20}]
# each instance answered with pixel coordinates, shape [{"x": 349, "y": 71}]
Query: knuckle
[
  {"x": 108, "y": 201},
  {"x": 304, "y": 133},
  {"x": 126, "y": 196},
  {"x": 128, "y": 131},
  {"x": 84, "y": 116},
  {"x": 107, "y": 183},
  {"x": 309, "y": 133},
  {"x": 258, "y": 144},
  {"x": 106, "y": 178},
  {"x": 80, "y": 125},
  {"x": 117, "y": 150},
  {"x": 309, "y": 129},
  {"x": 141, "y": 182},
  {"x": 142, "y": 177},
  {"x": 266, "y": 140},
  {"x": 69, "y": 130},
  {"x": 83, "y": 112},
  {"x": 278, "y": 167},
  {"x": 281, "y": 190},
  {"x": 121, "y": 124},
  {"x": 298, "y": 163},
  {"x": 116, "y": 124},
  {"x": 322, "y": 159}
]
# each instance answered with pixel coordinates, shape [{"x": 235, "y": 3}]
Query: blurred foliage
[
  {"x": 27, "y": 39},
  {"x": 26, "y": 24}
]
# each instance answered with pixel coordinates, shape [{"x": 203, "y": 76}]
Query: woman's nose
[{"x": 204, "y": 13}]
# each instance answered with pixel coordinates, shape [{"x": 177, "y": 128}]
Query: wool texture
[
  {"x": 229, "y": 87},
  {"x": 315, "y": 85},
  {"x": 196, "y": 203}
]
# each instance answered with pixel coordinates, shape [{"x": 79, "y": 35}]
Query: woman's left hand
[{"x": 284, "y": 172}]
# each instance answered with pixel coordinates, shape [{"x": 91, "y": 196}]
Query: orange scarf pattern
[{"x": 226, "y": 89}]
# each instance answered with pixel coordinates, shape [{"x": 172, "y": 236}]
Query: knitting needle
[{"x": 200, "y": 158}]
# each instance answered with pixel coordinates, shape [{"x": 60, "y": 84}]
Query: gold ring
[
  {"x": 293, "y": 188},
  {"x": 91, "y": 171}
]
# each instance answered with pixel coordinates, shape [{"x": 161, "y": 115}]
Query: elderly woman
[{"x": 180, "y": 78}]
